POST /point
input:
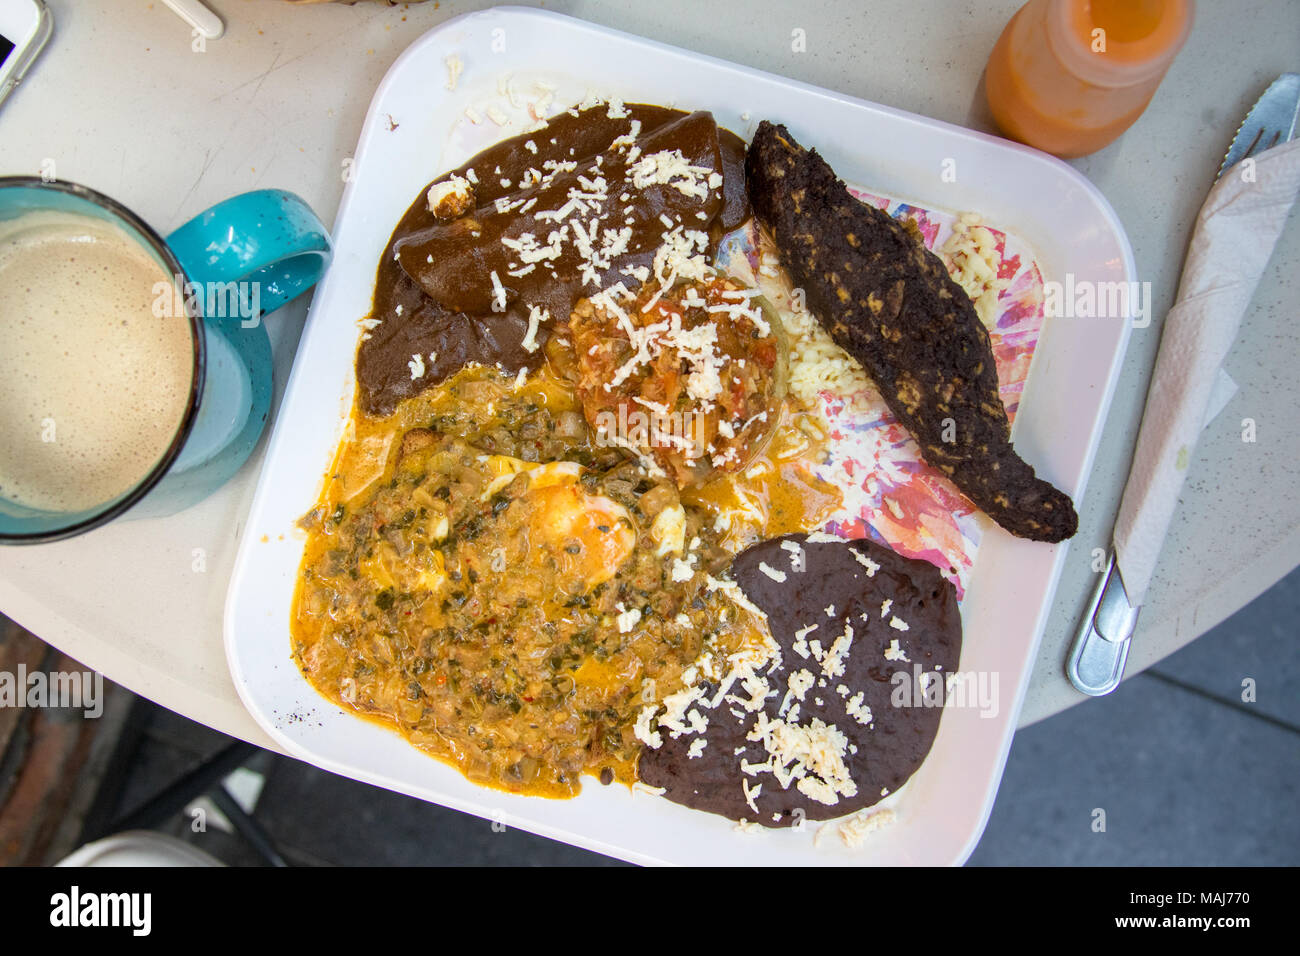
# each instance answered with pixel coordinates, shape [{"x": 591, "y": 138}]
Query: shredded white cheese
[
  {"x": 454, "y": 69},
  {"x": 536, "y": 317}
]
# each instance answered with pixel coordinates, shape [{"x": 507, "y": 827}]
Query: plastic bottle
[{"x": 1069, "y": 76}]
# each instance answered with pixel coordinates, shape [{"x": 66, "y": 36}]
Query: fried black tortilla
[{"x": 890, "y": 303}]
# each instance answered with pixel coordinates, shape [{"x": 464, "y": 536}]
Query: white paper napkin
[{"x": 1234, "y": 237}]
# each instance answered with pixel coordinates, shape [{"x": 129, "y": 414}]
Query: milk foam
[{"x": 93, "y": 385}]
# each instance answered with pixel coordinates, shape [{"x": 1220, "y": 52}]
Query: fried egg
[{"x": 587, "y": 536}]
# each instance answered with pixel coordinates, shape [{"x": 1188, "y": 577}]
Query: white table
[{"x": 122, "y": 102}]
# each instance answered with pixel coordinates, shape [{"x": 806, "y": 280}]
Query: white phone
[{"x": 25, "y": 25}]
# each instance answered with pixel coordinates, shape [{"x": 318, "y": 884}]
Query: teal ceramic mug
[{"x": 216, "y": 278}]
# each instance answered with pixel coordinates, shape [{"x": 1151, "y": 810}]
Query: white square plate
[{"x": 416, "y": 129}]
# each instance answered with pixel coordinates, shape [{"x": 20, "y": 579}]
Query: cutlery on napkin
[{"x": 1231, "y": 244}]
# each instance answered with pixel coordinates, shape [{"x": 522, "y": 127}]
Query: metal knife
[{"x": 1095, "y": 664}]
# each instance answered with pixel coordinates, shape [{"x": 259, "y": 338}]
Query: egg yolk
[{"x": 587, "y": 536}]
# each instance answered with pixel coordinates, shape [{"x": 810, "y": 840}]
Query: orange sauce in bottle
[{"x": 1069, "y": 76}]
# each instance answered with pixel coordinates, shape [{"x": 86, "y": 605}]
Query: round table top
[{"x": 125, "y": 100}]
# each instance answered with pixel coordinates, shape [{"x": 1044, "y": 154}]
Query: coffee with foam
[{"x": 93, "y": 384}]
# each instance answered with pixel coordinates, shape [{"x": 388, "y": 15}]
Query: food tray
[{"x": 417, "y": 128}]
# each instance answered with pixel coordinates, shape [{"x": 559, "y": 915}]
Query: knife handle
[{"x": 1100, "y": 649}]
